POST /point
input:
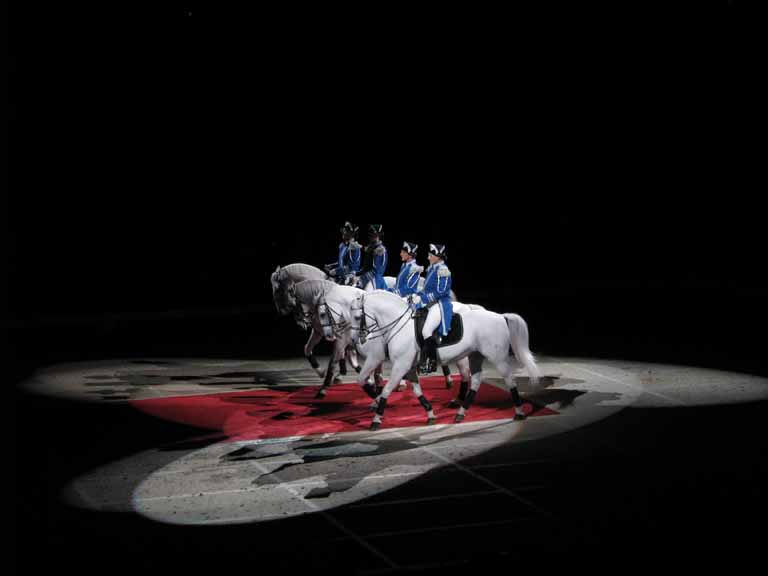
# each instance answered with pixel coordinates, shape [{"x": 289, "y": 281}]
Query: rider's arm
[
  {"x": 355, "y": 254},
  {"x": 443, "y": 288},
  {"x": 380, "y": 260}
]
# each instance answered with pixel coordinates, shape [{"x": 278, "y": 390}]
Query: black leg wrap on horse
[
  {"x": 358, "y": 369},
  {"x": 469, "y": 399},
  {"x": 425, "y": 403},
  {"x": 516, "y": 396},
  {"x": 463, "y": 390},
  {"x": 313, "y": 361},
  {"x": 343, "y": 367},
  {"x": 446, "y": 371},
  {"x": 382, "y": 406},
  {"x": 370, "y": 390}
]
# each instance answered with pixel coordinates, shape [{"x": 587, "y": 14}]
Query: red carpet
[{"x": 279, "y": 413}]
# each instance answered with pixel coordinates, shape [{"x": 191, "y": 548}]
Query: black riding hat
[
  {"x": 410, "y": 248},
  {"x": 349, "y": 228},
  {"x": 437, "y": 249}
]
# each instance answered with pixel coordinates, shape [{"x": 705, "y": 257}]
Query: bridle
[
  {"x": 376, "y": 331},
  {"x": 337, "y": 326}
]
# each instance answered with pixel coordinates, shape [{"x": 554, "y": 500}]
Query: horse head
[{"x": 282, "y": 292}]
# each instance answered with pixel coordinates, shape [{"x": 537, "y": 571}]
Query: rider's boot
[{"x": 428, "y": 356}]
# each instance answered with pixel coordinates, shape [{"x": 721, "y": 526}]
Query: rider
[
  {"x": 348, "y": 262},
  {"x": 375, "y": 259},
  {"x": 437, "y": 290},
  {"x": 408, "y": 278}
]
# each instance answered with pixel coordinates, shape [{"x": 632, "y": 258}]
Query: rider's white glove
[{"x": 415, "y": 299}]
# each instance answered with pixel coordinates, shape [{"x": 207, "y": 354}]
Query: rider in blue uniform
[
  {"x": 347, "y": 264},
  {"x": 408, "y": 277},
  {"x": 436, "y": 294},
  {"x": 374, "y": 260}
]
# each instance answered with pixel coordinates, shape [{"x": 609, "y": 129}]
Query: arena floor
[{"x": 237, "y": 461}]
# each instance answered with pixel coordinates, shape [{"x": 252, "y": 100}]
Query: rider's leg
[{"x": 429, "y": 349}]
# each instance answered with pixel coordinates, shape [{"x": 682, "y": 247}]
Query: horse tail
[{"x": 518, "y": 338}]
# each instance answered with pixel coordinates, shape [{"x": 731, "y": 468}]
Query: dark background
[{"x": 588, "y": 167}]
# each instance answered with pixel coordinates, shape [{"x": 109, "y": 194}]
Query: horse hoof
[
  {"x": 520, "y": 417},
  {"x": 373, "y": 406},
  {"x": 375, "y": 426},
  {"x": 431, "y": 421},
  {"x": 448, "y": 384},
  {"x": 459, "y": 418},
  {"x": 337, "y": 380},
  {"x": 454, "y": 404},
  {"x": 320, "y": 395},
  {"x": 358, "y": 369}
]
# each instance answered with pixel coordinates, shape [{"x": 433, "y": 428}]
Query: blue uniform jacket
[
  {"x": 408, "y": 279},
  {"x": 437, "y": 288},
  {"x": 349, "y": 258},
  {"x": 376, "y": 264}
]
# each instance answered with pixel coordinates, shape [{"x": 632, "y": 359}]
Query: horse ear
[{"x": 316, "y": 299}]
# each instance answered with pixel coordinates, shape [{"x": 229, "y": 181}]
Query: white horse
[
  {"x": 308, "y": 294},
  {"x": 387, "y": 321},
  {"x": 283, "y": 281},
  {"x": 333, "y": 312},
  {"x": 391, "y": 282}
]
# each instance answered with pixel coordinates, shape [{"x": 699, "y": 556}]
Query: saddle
[{"x": 455, "y": 331}]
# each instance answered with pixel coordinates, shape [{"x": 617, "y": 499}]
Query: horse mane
[
  {"x": 390, "y": 295},
  {"x": 301, "y": 272},
  {"x": 307, "y": 290}
]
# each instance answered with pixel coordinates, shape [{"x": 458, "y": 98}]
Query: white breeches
[{"x": 434, "y": 318}]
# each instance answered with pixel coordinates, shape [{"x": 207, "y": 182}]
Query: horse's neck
[
  {"x": 304, "y": 272},
  {"x": 385, "y": 310},
  {"x": 344, "y": 295},
  {"x": 289, "y": 279}
]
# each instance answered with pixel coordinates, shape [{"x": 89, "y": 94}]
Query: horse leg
[
  {"x": 476, "y": 368},
  {"x": 330, "y": 371},
  {"x": 352, "y": 357},
  {"x": 370, "y": 364},
  {"x": 413, "y": 376},
  {"x": 378, "y": 379},
  {"x": 327, "y": 380},
  {"x": 508, "y": 372},
  {"x": 466, "y": 376},
  {"x": 314, "y": 338},
  {"x": 447, "y": 376},
  {"x": 354, "y": 360},
  {"x": 398, "y": 371}
]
